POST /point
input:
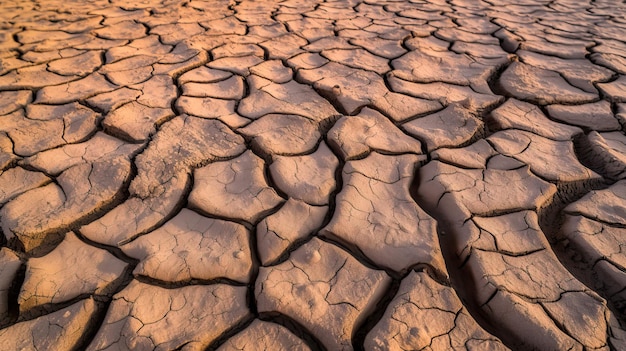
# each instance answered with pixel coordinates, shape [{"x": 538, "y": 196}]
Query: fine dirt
[{"x": 312, "y": 175}]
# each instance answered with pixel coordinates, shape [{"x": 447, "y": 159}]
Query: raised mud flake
[
  {"x": 484, "y": 53},
  {"x": 33, "y": 36},
  {"x": 82, "y": 190},
  {"x": 294, "y": 221},
  {"x": 111, "y": 100},
  {"x": 354, "y": 88},
  {"x": 190, "y": 246},
  {"x": 158, "y": 91},
  {"x": 203, "y": 74},
  {"x": 309, "y": 28},
  {"x": 337, "y": 13},
  {"x": 595, "y": 116},
  {"x": 598, "y": 249},
  {"x": 117, "y": 14},
  {"x": 82, "y": 25},
  {"x": 425, "y": 315},
  {"x": 562, "y": 50},
  {"x": 453, "y": 126},
  {"x": 146, "y": 317},
  {"x": 234, "y": 49},
  {"x": 234, "y": 189},
  {"x": 264, "y": 336},
  {"x": 609, "y": 46},
  {"x": 162, "y": 175},
  {"x": 437, "y": 66},
  {"x": 282, "y": 134},
  {"x": 100, "y": 44},
  {"x": 480, "y": 25},
  {"x": 11, "y": 101},
  {"x": 541, "y": 86},
  {"x": 461, "y": 35},
  {"x": 70, "y": 270},
  {"x": 16, "y": 181},
  {"x": 531, "y": 281},
  {"x": 463, "y": 192},
  {"x": 284, "y": 46},
  {"x": 222, "y": 25},
  {"x": 44, "y": 127},
  {"x": 523, "y": 275},
  {"x": 99, "y": 147},
  {"x": 122, "y": 30},
  {"x": 89, "y": 86},
  {"x": 61, "y": 330},
  {"x": 510, "y": 42},
  {"x": 9, "y": 266},
  {"x": 310, "y": 178},
  {"x": 133, "y": 76},
  {"x": 355, "y": 136},
  {"x": 230, "y": 88},
  {"x": 134, "y": 121},
  {"x": 328, "y": 43},
  {"x": 289, "y": 98},
  {"x": 223, "y": 110},
  {"x": 515, "y": 114},
  {"x": 9, "y": 62},
  {"x": 615, "y": 62},
  {"x": 389, "y": 49},
  {"x": 429, "y": 43},
  {"x": 126, "y": 65},
  {"x": 51, "y": 45},
  {"x": 476, "y": 155},
  {"x": 445, "y": 94},
  {"x": 358, "y": 58},
  {"x": 237, "y": 65},
  {"x": 607, "y": 153},
  {"x": 32, "y": 77},
  {"x": 375, "y": 212},
  {"x": 176, "y": 32},
  {"x": 551, "y": 160},
  {"x": 180, "y": 60},
  {"x": 307, "y": 60},
  {"x": 607, "y": 206},
  {"x": 273, "y": 70},
  {"x": 324, "y": 289},
  {"x": 79, "y": 65},
  {"x": 580, "y": 73}
]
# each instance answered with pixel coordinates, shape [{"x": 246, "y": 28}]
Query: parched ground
[{"x": 308, "y": 175}]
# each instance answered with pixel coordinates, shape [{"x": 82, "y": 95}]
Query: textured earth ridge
[{"x": 313, "y": 175}]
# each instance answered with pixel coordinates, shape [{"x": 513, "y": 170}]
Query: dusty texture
[
  {"x": 323, "y": 288},
  {"x": 453, "y": 126},
  {"x": 72, "y": 269},
  {"x": 310, "y": 178},
  {"x": 264, "y": 336},
  {"x": 356, "y": 136},
  {"x": 190, "y": 246},
  {"x": 312, "y": 175},
  {"x": 148, "y": 317},
  {"x": 235, "y": 189},
  {"x": 294, "y": 221},
  {"x": 376, "y": 213},
  {"x": 60, "y": 330},
  {"x": 427, "y": 315}
]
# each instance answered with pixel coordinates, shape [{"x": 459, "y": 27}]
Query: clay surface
[{"x": 313, "y": 175}]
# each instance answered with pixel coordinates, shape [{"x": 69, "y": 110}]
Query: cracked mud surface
[{"x": 313, "y": 175}]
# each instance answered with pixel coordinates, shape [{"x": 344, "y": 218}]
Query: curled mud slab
[{"x": 312, "y": 175}]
